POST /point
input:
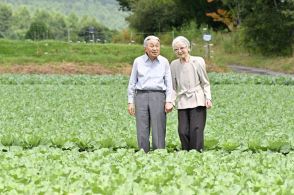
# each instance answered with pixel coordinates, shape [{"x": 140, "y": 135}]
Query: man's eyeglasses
[{"x": 179, "y": 49}]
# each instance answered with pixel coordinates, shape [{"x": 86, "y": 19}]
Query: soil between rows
[{"x": 97, "y": 69}]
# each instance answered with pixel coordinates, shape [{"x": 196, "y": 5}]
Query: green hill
[{"x": 105, "y": 11}]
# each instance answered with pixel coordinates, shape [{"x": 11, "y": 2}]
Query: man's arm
[
  {"x": 169, "y": 88},
  {"x": 131, "y": 89}
]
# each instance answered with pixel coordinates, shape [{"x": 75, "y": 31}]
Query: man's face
[{"x": 153, "y": 48}]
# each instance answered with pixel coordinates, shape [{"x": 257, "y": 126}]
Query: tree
[
  {"x": 57, "y": 26},
  {"x": 267, "y": 26},
  {"x": 5, "y": 20},
  {"x": 38, "y": 31},
  {"x": 21, "y": 22},
  {"x": 92, "y": 31},
  {"x": 42, "y": 16},
  {"x": 127, "y": 5},
  {"x": 228, "y": 13},
  {"x": 72, "y": 23},
  {"x": 197, "y": 10},
  {"x": 154, "y": 16},
  {"x": 168, "y": 14}
]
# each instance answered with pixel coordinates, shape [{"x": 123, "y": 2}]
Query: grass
[
  {"x": 28, "y": 52},
  {"x": 280, "y": 64},
  {"x": 223, "y": 53},
  {"x": 228, "y": 51}
]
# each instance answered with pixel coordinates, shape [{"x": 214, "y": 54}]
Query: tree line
[
  {"x": 266, "y": 26},
  {"x": 105, "y": 11},
  {"x": 42, "y": 24}
]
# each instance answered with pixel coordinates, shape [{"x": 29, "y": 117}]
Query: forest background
[{"x": 256, "y": 34}]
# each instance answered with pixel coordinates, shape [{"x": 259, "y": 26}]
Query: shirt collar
[{"x": 146, "y": 58}]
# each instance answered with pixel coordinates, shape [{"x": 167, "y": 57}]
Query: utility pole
[{"x": 207, "y": 39}]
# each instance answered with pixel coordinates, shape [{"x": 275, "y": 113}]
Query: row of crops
[
  {"x": 44, "y": 170},
  {"x": 72, "y": 135},
  {"x": 90, "y": 113}
]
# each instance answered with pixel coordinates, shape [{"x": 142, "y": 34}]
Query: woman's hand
[
  {"x": 168, "y": 107},
  {"x": 208, "y": 103}
]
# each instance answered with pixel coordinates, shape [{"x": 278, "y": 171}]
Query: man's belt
[{"x": 149, "y": 91}]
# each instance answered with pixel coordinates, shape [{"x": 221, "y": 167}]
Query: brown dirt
[
  {"x": 71, "y": 68},
  {"x": 65, "y": 68},
  {"x": 214, "y": 68}
]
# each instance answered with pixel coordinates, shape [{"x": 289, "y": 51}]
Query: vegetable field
[{"x": 73, "y": 135}]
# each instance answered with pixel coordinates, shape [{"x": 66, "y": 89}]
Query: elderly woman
[{"x": 191, "y": 94}]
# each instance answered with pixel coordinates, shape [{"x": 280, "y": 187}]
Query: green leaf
[{"x": 7, "y": 140}]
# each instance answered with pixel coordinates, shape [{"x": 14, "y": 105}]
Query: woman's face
[{"x": 181, "y": 50}]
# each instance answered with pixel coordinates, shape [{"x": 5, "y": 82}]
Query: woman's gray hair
[
  {"x": 181, "y": 39},
  {"x": 149, "y": 38}
]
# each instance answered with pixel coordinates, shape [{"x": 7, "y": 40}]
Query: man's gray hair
[
  {"x": 149, "y": 38},
  {"x": 181, "y": 39}
]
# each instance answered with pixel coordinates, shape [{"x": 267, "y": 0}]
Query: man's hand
[
  {"x": 168, "y": 107},
  {"x": 131, "y": 109},
  {"x": 208, "y": 104}
]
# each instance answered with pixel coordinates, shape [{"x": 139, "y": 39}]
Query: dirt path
[
  {"x": 97, "y": 69},
  {"x": 65, "y": 68},
  {"x": 251, "y": 70}
]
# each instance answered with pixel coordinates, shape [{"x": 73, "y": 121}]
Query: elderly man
[{"x": 149, "y": 95}]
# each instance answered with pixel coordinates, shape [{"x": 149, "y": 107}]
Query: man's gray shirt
[{"x": 150, "y": 75}]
